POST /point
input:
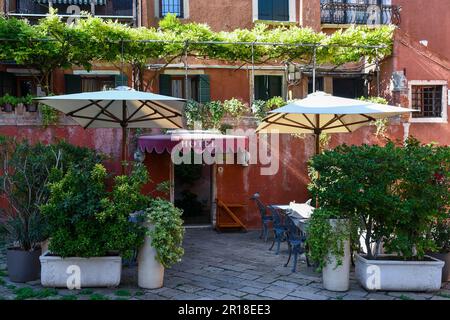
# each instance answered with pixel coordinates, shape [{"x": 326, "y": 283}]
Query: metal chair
[
  {"x": 279, "y": 228},
  {"x": 296, "y": 242},
  {"x": 266, "y": 220}
]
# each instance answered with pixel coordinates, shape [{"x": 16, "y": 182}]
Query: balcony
[
  {"x": 121, "y": 10},
  {"x": 339, "y": 13}
]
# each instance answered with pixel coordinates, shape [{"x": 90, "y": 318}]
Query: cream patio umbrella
[
  {"x": 122, "y": 107},
  {"x": 321, "y": 112}
]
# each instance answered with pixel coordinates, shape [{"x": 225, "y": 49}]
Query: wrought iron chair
[
  {"x": 279, "y": 228},
  {"x": 266, "y": 220},
  {"x": 296, "y": 241}
]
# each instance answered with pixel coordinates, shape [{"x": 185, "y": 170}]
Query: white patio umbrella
[
  {"x": 321, "y": 112},
  {"x": 122, "y": 107}
]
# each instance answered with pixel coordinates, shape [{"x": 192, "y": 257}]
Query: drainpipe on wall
[{"x": 406, "y": 126}]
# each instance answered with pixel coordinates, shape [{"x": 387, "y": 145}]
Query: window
[
  {"x": 75, "y": 83},
  {"x": 171, "y": 6},
  {"x": 198, "y": 87},
  {"x": 267, "y": 87},
  {"x": 274, "y": 10},
  {"x": 319, "y": 84},
  {"x": 428, "y": 100}
]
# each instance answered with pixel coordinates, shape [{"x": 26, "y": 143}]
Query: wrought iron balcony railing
[
  {"x": 368, "y": 14},
  {"x": 122, "y": 10}
]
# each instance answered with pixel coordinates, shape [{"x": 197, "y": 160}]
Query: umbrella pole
[{"x": 124, "y": 148}]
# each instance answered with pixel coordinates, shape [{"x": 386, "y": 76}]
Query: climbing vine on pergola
[{"x": 52, "y": 44}]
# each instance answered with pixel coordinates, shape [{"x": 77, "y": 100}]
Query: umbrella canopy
[
  {"x": 321, "y": 112},
  {"x": 122, "y": 107}
]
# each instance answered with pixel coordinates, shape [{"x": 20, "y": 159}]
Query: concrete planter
[
  {"x": 23, "y": 266},
  {"x": 150, "y": 270},
  {"x": 446, "y": 269},
  {"x": 57, "y": 272},
  {"x": 338, "y": 278},
  {"x": 396, "y": 275}
]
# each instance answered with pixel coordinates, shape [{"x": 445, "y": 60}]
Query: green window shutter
[
  {"x": 73, "y": 83},
  {"x": 281, "y": 10},
  {"x": 120, "y": 80},
  {"x": 204, "y": 90},
  {"x": 165, "y": 87},
  {"x": 265, "y": 9}
]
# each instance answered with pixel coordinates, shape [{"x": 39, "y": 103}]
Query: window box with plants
[
  {"x": 90, "y": 228},
  {"x": 392, "y": 197}
]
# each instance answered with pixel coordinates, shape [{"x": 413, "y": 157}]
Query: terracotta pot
[{"x": 23, "y": 266}]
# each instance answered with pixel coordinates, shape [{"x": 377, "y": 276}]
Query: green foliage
[
  {"x": 87, "y": 221},
  {"x": 27, "y": 100},
  {"x": 8, "y": 99},
  {"x": 28, "y": 293},
  {"x": 188, "y": 173},
  {"x": 69, "y": 297},
  {"x": 98, "y": 296},
  {"x": 94, "y": 39},
  {"x": 166, "y": 232},
  {"x": 325, "y": 241},
  {"x": 49, "y": 115},
  {"x": 391, "y": 194},
  {"x": 122, "y": 293},
  {"x": 27, "y": 170},
  {"x": 235, "y": 108},
  {"x": 440, "y": 234},
  {"x": 214, "y": 112},
  {"x": 86, "y": 292},
  {"x": 260, "y": 108}
]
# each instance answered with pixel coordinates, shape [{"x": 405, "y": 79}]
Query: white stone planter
[
  {"x": 150, "y": 270},
  {"x": 57, "y": 272},
  {"x": 337, "y": 278},
  {"x": 395, "y": 275}
]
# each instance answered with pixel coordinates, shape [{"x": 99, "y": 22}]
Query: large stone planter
[
  {"x": 94, "y": 272},
  {"x": 150, "y": 270},
  {"x": 337, "y": 278},
  {"x": 397, "y": 275},
  {"x": 446, "y": 269},
  {"x": 23, "y": 266}
]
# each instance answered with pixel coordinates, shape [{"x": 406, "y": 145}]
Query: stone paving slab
[{"x": 225, "y": 266}]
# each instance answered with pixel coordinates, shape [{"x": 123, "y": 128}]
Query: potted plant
[
  {"x": 89, "y": 226},
  {"x": 441, "y": 236},
  {"x": 9, "y": 103},
  {"x": 162, "y": 245},
  {"x": 29, "y": 104},
  {"x": 392, "y": 196},
  {"x": 25, "y": 173},
  {"x": 329, "y": 247}
]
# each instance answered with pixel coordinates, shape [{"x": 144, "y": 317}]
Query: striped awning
[{"x": 77, "y": 2}]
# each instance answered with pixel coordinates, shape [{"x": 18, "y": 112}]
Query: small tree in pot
[{"x": 26, "y": 171}]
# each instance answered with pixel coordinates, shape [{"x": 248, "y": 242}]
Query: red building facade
[{"x": 417, "y": 75}]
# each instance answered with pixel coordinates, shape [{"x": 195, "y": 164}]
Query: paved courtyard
[{"x": 218, "y": 266}]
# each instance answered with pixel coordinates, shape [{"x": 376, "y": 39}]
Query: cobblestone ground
[{"x": 225, "y": 266}]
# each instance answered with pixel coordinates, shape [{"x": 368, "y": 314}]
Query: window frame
[
  {"x": 184, "y": 4},
  {"x": 444, "y": 104},
  {"x": 280, "y": 74},
  {"x": 292, "y": 4}
]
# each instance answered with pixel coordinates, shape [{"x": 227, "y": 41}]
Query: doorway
[{"x": 193, "y": 193}]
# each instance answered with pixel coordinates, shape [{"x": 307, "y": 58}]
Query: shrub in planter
[
  {"x": 329, "y": 247},
  {"x": 393, "y": 196},
  {"x": 26, "y": 172},
  {"x": 162, "y": 247},
  {"x": 86, "y": 221}
]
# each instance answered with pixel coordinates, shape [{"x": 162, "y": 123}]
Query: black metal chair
[
  {"x": 279, "y": 228},
  {"x": 266, "y": 220},
  {"x": 296, "y": 242}
]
